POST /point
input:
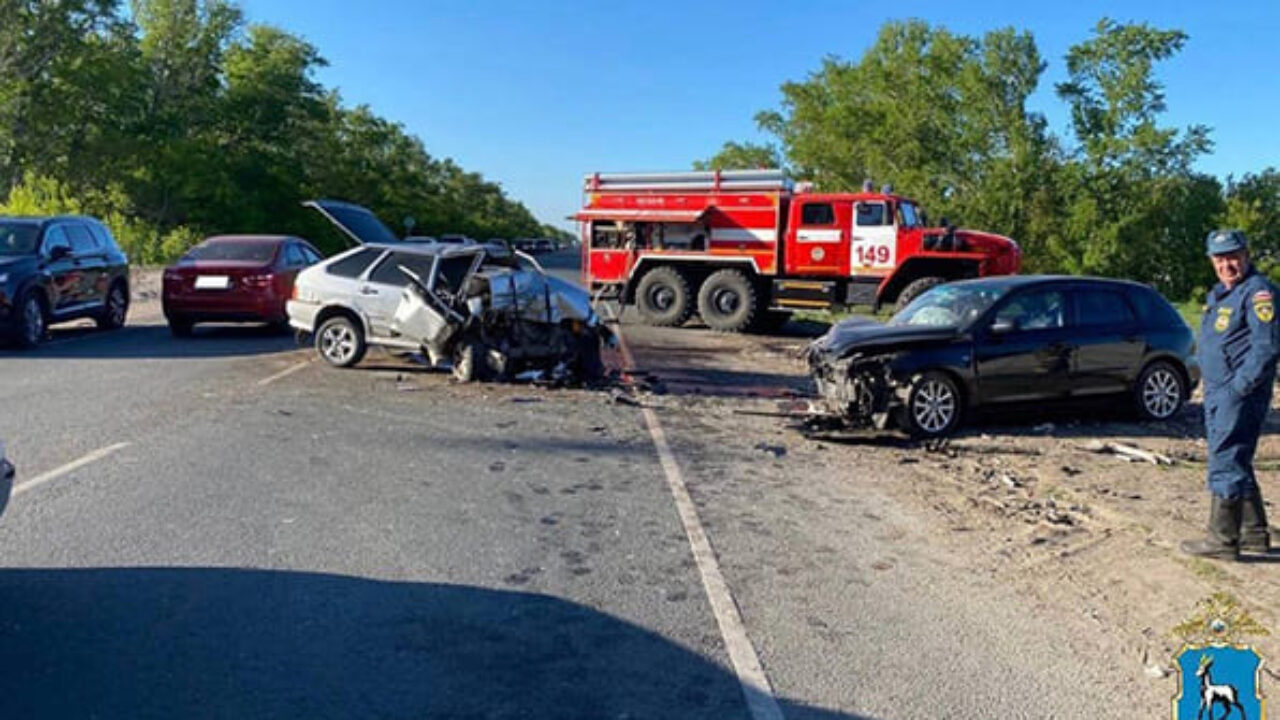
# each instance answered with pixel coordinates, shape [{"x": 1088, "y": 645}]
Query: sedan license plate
[{"x": 213, "y": 282}]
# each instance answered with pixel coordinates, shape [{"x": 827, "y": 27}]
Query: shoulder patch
[{"x": 1263, "y": 306}]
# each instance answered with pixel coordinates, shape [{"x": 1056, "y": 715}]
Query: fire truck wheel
[
  {"x": 728, "y": 301},
  {"x": 915, "y": 289},
  {"x": 662, "y": 297}
]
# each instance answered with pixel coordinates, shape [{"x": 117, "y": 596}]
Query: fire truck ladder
[{"x": 713, "y": 180}]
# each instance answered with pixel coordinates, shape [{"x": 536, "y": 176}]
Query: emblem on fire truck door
[{"x": 817, "y": 254}]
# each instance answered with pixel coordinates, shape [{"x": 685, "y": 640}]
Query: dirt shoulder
[{"x": 1087, "y": 540}]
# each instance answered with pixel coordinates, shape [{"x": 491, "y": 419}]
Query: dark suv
[{"x": 56, "y": 269}]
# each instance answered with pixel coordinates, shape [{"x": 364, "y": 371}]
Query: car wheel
[
  {"x": 1160, "y": 391},
  {"x": 933, "y": 406},
  {"x": 727, "y": 301},
  {"x": 915, "y": 289},
  {"x": 180, "y": 327},
  {"x": 32, "y": 323},
  {"x": 662, "y": 297},
  {"x": 117, "y": 309},
  {"x": 340, "y": 341}
]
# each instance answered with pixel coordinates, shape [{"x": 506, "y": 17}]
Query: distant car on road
[
  {"x": 55, "y": 269},
  {"x": 234, "y": 278},
  {"x": 543, "y": 245},
  {"x": 1003, "y": 340},
  {"x": 456, "y": 239}
]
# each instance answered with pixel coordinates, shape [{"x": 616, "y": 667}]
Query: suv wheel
[
  {"x": 340, "y": 342},
  {"x": 32, "y": 323},
  {"x": 933, "y": 406},
  {"x": 117, "y": 309},
  {"x": 1159, "y": 392}
]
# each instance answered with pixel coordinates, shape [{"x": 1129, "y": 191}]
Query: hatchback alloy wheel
[
  {"x": 933, "y": 405},
  {"x": 338, "y": 343},
  {"x": 1161, "y": 393}
]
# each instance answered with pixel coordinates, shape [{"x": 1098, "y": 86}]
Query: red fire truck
[{"x": 744, "y": 247}]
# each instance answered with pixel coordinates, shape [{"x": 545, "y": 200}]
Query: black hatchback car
[
  {"x": 1012, "y": 339},
  {"x": 55, "y": 269}
]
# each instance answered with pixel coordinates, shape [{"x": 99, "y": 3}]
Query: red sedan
[{"x": 234, "y": 278}]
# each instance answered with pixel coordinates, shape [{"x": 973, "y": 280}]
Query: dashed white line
[
  {"x": 283, "y": 373},
  {"x": 72, "y": 466},
  {"x": 746, "y": 663}
]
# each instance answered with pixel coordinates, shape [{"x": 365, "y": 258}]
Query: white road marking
[
  {"x": 746, "y": 663},
  {"x": 72, "y": 466},
  {"x": 284, "y": 373}
]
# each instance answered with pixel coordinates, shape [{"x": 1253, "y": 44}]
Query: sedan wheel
[
  {"x": 113, "y": 317},
  {"x": 933, "y": 406},
  {"x": 340, "y": 342},
  {"x": 33, "y": 324},
  {"x": 1160, "y": 392}
]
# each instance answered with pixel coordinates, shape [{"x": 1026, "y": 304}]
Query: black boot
[
  {"x": 1255, "y": 536},
  {"x": 1223, "y": 539}
]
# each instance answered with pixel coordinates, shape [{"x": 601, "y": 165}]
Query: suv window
[
  {"x": 1102, "y": 308},
  {"x": 388, "y": 271},
  {"x": 817, "y": 214},
  {"x": 81, "y": 241},
  {"x": 103, "y": 236},
  {"x": 354, "y": 265},
  {"x": 55, "y": 237},
  {"x": 871, "y": 214},
  {"x": 1035, "y": 310}
]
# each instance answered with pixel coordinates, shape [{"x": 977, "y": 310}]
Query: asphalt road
[{"x": 222, "y": 527}]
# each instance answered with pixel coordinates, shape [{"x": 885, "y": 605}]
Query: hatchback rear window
[
  {"x": 255, "y": 252},
  {"x": 354, "y": 264},
  {"x": 1153, "y": 309}
]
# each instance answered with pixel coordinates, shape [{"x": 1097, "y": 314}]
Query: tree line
[
  {"x": 176, "y": 119},
  {"x": 944, "y": 116}
]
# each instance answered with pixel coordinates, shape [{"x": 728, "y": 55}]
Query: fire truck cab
[{"x": 743, "y": 248}]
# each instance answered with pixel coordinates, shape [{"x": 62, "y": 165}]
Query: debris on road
[
  {"x": 775, "y": 450},
  {"x": 1128, "y": 453}
]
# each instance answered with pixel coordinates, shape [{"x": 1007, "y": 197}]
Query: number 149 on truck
[{"x": 744, "y": 248}]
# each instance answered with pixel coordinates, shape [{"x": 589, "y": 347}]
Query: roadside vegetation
[
  {"x": 944, "y": 117},
  {"x": 174, "y": 119}
]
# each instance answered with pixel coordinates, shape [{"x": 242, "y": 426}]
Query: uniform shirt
[{"x": 1239, "y": 336}]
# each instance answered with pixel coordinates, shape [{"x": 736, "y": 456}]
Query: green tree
[{"x": 742, "y": 156}]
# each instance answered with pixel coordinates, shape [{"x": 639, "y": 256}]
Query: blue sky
[{"x": 536, "y": 94}]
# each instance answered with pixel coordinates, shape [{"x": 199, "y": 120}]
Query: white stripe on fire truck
[
  {"x": 740, "y": 235},
  {"x": 817, "y": 236}
]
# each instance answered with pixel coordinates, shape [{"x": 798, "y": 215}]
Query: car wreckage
[
  {"x": 999, "y": 341},
  {"x": 482, "y": 310}
]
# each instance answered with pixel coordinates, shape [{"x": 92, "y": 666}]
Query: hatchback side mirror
[{"x": 59, "y": 252}]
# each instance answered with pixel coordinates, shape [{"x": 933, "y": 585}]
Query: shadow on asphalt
[
  {"x": 236, "y": 643},
  {"x": 155, "y": 341}
]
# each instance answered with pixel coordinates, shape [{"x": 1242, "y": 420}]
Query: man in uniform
[{"x": 1239, "y": 346}]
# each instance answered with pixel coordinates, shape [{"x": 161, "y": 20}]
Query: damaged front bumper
[{"x": 862, "y": 392}]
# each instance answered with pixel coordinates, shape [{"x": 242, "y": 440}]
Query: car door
[
  {"x": 1024, "y": 351},
  {"x": 1109, "y": 343},
  {"x": 60, "y": 267},
  {"x": 380, "y": 292},
  {"x": 90, "y": 259}
]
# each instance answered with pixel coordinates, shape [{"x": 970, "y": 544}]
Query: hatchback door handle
[{"x": 366, "y": 290}]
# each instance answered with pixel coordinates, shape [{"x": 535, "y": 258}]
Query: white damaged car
[{"x": 480, "y": 310}]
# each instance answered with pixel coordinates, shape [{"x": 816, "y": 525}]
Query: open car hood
[{"x": 355, "y": 221}]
